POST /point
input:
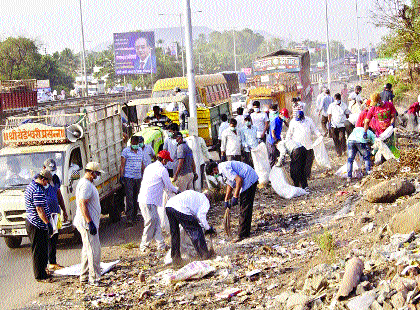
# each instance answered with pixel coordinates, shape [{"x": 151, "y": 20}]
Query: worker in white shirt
[
  {"x": 337, "y": 115},
  {"x": 155, "y": 180},
  {"x": 260, "y": 120},
  {"x": 240, "y": 118},
  {"x": 224, "y": 125},
  {"x": 189, "y": 209},
  {"x": 356, "y": 100},
  {"x": 301, "y": 130},
  {"x": 322, "y": 109},
  {"x": 231, "y": 142}
]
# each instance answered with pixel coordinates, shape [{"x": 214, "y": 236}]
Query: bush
[{"x": 326, "y": 243}]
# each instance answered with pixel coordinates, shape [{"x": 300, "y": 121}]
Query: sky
[{"x": 55, "y": 24}]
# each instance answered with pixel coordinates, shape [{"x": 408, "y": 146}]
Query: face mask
[
  {"x": 232, "y": 128},
  {"x": 141, "y": 144},
  {"x": 46, "y": 187},
  {"x": 171, "y": 135},
  {"x": 135, "y": 147},
  {"x": 257, "y": 110},
  {"x": 265, "y": 109}
]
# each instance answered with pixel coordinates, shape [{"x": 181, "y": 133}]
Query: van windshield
[{"x": 18, "y": 170}]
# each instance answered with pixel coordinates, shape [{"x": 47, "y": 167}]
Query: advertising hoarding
[
  {"x": 277, "y": 64},
  {"x": 134, "y": 53}
]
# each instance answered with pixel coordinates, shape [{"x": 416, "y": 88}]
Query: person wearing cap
[
  {"x": 38, "y": 225},
  {"x": 88, "y": 214},
  {"x": 249, "y": 140},
  {"x": 276, "y": 125},
  {"x": 156, "y": 179},
  {"x": 242, "y": 181},
  {"x": 185, "y": 173},
  {"x": 231, "y": 142},
  {"x": 148, "y": 153},
  {"x": 189, "y": 209},
  {"x": 55, "y": 203},
  {"x": 284, "y": 115},
  {"x": 131, "y": 170}
]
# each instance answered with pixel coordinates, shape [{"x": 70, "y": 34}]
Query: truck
[
  {"x": 285, "y": 70},
  {"x": 17, "y": 96},
  {"x": 72, "y": 140},
  {"x": 232, "y": 79}
]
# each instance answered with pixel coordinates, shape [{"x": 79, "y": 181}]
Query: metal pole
[
  {"x": 84, "y": 50},
  {"x": 328, "y": 46},
  {"x": 234, "y": 47},
  {"x": 358, "y": 68},
  {"x": 192, "y": 121},
  {"x": 182, "y": 44},
  {"x": 125, "y": 90}
]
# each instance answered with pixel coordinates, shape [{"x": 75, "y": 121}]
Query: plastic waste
[
  {"x": 321, "y": 154},
  {"x": 342, "y": 172},
  {"x": 261, "y": 163},
  {"x": 281, "y": 187},
  {"x": 194, "y": 270}
]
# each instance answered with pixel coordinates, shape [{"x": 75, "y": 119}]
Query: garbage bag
[
  {"x": 381, "y": 150},
  {"x": 164, "y": 222},
  {"x": 342, "y": 172},
  {"x": 321, "y": 154},
  {"x": 261, "y": 163},
  {"x": 281, "y": 187}
]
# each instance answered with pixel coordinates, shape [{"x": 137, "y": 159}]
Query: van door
[{"x": 74, "y": 168}]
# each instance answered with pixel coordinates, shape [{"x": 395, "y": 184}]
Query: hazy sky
[{"x": 56, "y": 23}]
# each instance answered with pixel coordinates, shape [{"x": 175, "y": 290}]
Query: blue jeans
[{"x": 363, "y": 149}]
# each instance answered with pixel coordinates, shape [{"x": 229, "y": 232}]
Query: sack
[
  {"x": 381, "y": 150},
  {"x": 342, "y": 172},
  {"x": 261, "y": 162},
  {"x": 321, "y": 154},
  {"x": 281, "y": 187}
]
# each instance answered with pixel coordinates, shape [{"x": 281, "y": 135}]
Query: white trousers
[
  {"x": 91, "y": 256},
  {"x": 152, "y": 229}
]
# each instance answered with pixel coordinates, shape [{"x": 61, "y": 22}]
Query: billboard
[
  {"x": 277, "y": 64},
  {"x": 134, "y": 53}
]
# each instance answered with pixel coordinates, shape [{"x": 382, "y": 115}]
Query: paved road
[{"x": 17, "y": 283}]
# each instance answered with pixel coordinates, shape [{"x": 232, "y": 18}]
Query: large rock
[
  {"x": 389, "y": 191},
  {"x": 353, "y": 271},
  {"x": 406, "y": 221}
]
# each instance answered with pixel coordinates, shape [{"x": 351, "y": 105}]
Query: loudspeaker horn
[{"x": 74, "y": 132}]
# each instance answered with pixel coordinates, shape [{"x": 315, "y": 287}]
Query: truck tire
[
  {"x": 13, "y": 242},
  {"x": 116, "y": 206}
]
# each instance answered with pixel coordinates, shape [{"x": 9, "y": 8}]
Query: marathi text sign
[
  {"x": 34, "y": 134},
  {"x": 277, "y": 64},
  {"x": 134, "y": 53}
]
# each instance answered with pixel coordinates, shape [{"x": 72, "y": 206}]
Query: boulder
[
  {"x": 406, "y": 221},
  {"x": 389, "y": 191},
  {"x": 353, "y": 271}
]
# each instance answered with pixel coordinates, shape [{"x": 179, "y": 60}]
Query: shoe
[
  {"x": 55, "y": 267},
  {"x": 48, "y": 279},
  {"x": 97, "y": 284}
]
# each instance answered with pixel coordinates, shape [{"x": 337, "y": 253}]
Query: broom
[{"x": 227, "y": 223}]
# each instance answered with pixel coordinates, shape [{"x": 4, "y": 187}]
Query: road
[{"x": 17, "y": 283}]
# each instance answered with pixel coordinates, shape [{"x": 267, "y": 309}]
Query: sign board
[
  {"x": 33, "y": 134},
  {"x": 134, "y": 53},
  {"x": 277, "y": 64},
  {"x": 41, "y": 84},
  {"x": 247, "y": 71}
]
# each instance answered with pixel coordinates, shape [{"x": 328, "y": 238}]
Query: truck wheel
[
  {"x": 116, "y": 207},
  {"x": 13, "y": 242}
]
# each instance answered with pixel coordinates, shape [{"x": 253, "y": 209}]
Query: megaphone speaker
[{"x": 74, "y": 132}]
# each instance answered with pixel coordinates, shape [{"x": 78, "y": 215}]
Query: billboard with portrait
[{"x": 134, "y": 53}]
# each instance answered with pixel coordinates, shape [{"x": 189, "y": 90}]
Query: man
[
  {"x": 158, "y": 117},
  {"x": 413, "y": 115},
  {"x": 241, "y": 182},
  {"x": 201, "y": 155},
  {"x": 297, "y": 105},
  {"x": 323, "y": 111},
  {"x": 131, "y": 169},
  {"x": 337, "y": 114},
  {"x": 319, "y": 98},
  {"x": 301, "y": 130},
  {"x": 356, "y": 100},
  {"x": 170, "y": 145},
  {"x": 148, "y": 153},
  {"x": 240, "y": 118},
  {"x": 276, "y": 125},
  {"x": 249, "y": 139},
  {"x": 297, "y": 154},
  {"x": 38, "y": 225},
  {"x": 185, "y": 174},
  {"x": 387, "y": 94},
  {"x": 284, "y": 115},
  {"x": 156, "y": 179},
  {"x": 259, "y": 120},
  {"x": 55, "y": 203},
  {"x": 224, "y": 125},
  {"x": 189, "y": 209},
  {"x": 146, "y": 60},
  {"x": 358, "y": 144},
  {"x": 88, "y": 215},
  {"x": 231, "y": 142},
  {"x": 345, "y": 93}
]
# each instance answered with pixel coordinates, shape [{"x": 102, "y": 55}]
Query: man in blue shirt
[
  {"x": 249, "y": 139},
  {"x": 38, "y": 225},
  {"x": 242, "y": 183},
  {"x": 276, "y": 124},
  {"x": 131, "y": 170},
  {"x": 55, "y": 203}
]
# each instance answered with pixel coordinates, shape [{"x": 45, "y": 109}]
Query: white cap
[{"x": 94, "y": 166}]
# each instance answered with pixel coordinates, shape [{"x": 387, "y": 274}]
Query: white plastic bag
[
  {"x": 342, "y": 172},
  {"x": 321, "y": 154},
  {"x": 386, "y": 134},
  {"x": 281, "y": 187},
  {"x": 261, "y": 162},
  {"x": 382, "y": 150}
]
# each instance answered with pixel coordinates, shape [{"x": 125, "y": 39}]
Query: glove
[
  {"x": 195, "y": 177},
  {"x": 223, "y": 158},
  {"x": 50, "y": 229},
  {"x": 210, "y": 231},
  {"x": 227, "y": 206},
  {"x": 92, "y": 228},
  {"x": 233, "y": 201},
  {"x": 365, "y": 135}
]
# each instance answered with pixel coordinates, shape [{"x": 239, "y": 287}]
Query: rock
[
  {"x": 351, "y": 278},
  {"x": 406, "y": 221},
  {"x": 362, "y": 302},
  {"x": 398, "y": 300},
  {"x": 296, "y": 300},
  {"x": 387, "y": 306},
  {"x": 389, "y": 191},
  {"x": 363, "y": 287},
  {"x": 375, "y": 306},
  {"x": 282, "y": 298}
]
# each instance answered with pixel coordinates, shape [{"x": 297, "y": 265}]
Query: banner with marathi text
[{"x": 32, "y": 134}]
